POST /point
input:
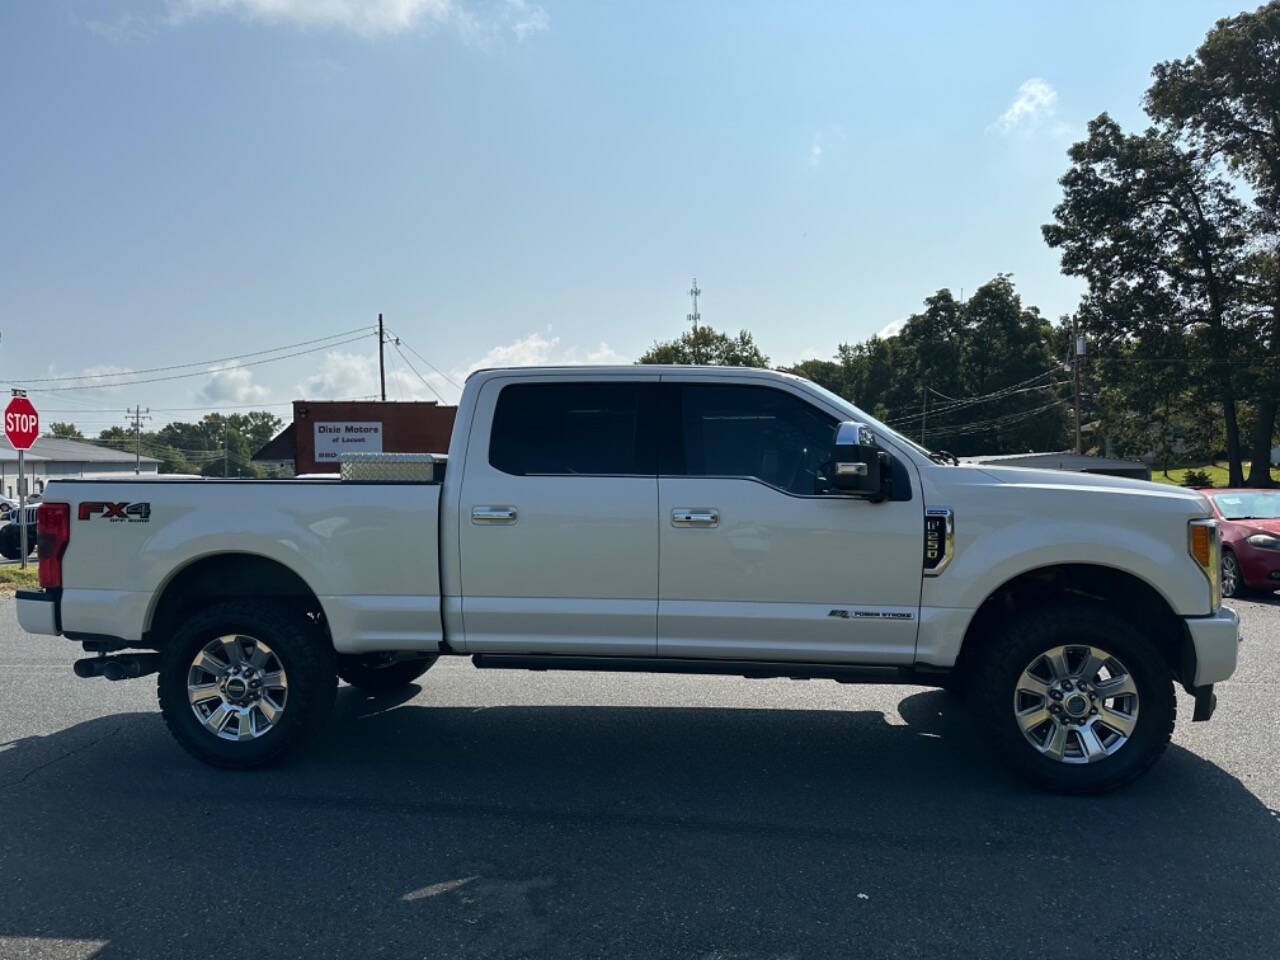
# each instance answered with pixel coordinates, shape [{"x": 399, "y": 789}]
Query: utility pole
[
  {"x": 1077, "y": 358},
  {"x": 924, "y": 411},
  {"x": 694, "y": 318},
  {"x": 382, "y": 370},
  {"x": 226, "y": 449},
  {"x": 137, "y": 415}
]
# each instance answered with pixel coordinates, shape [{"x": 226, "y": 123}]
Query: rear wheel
[
  {"x": 382, "y": 672},
  {"x": 1074, "y": 698},
  {"x": 244, "y": 681}
]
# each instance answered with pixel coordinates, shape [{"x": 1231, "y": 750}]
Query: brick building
[{"x": 323, "y": 430}]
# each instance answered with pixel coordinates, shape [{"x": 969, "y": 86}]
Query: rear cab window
[{"x": 603, "y": 428}]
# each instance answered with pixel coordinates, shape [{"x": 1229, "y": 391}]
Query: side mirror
[{"x": 857, "y": 465}]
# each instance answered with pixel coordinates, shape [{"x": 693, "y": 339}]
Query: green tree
[
  {"x": 64, "y": 431},
  {"x": 952, "y": 377},
  {"x": 198, "y": 448},
  {"x": 1160, "y": 237},
  {"x": 115, "y": 436},
  {"x": 203, "y": 442},
  {"x": 1226, "y": 100},
  {"x": 706, "y": 345}
]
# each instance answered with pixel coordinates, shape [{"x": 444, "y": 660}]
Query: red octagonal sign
[{"x": 21, "y": 423}]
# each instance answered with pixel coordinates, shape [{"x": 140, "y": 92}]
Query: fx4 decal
[{"x": 116, "y": 512}]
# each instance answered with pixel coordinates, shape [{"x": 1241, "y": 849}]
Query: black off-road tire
[
  {"x": 10, "y": 544},
  {"x": 996, "y": 668},
  {"x": 304, "y": 652},
  {"x": 380, "y": 673}
]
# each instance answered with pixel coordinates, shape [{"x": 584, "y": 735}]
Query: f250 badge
[
  {"x": 116, "y": 512},
  {"x": 939, "y": 539}
]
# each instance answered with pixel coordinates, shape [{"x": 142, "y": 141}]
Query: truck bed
[{"x": 369, "y": 551}]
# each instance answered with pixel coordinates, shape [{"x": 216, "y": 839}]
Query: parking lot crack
[{"x": 18, "y": 781}]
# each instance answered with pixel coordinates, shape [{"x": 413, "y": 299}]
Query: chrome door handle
[
  {"x": 694, "y": 517},
  {"x": 489, "y": 515}
]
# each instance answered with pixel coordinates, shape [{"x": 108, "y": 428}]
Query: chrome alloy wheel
[
  {"x": 1230, "y": 573},
  {"x": 1076, "y": 704},
  {"x": 237, "y": 688}
]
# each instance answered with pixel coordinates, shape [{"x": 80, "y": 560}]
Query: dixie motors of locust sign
[{"x": 334, "y": 438}]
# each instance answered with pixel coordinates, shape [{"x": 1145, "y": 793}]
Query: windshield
[{"x": 1239, "y": 505}]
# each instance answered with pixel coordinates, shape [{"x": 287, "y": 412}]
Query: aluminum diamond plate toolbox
[{"x": 392, "y": 467}]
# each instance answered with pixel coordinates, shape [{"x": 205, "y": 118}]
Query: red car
[{"x": 1250, "y": 522}]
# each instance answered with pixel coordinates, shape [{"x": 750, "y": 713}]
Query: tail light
[
  {"x": 53, "y": 532},
  {"x": 1206, "y": 549}
]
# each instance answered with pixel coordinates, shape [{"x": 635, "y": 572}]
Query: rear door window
[{"x": 574, "y": 429}]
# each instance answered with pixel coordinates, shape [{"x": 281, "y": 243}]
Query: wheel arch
[
  {"x": 214, "y": 577},
  {"x": 1125, "y": 594}
]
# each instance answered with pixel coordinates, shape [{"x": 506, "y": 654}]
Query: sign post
[{"x": 21, "y": 427}]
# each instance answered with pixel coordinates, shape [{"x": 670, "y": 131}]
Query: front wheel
[
  {"x": 1232, "y": 582},
  {"x": 382, "y": 672},
  {"x": 10, "y": 545},
  {"x": 244, "y": 681},
  {"x": 1074, "y": 698}
]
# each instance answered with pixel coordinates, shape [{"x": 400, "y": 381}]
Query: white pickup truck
[{"x": 658, "y": 519}]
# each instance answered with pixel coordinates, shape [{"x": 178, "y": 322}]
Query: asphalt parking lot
[{"x": 504, "y": 814}]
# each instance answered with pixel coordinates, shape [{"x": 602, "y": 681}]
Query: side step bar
[{"x": 752, "y": 669}]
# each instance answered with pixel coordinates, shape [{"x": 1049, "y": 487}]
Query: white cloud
[
  {"x": 526, "y": 19},
  {"x": 815, "y": 149},
  {"x": 827, "y": 144},
  {"x": 606, "y": 354},
  {"x": 891, "y": 329},
  {"x": 538, "y": 349},
  {"x": 373, "y": 18},
  {"x": 125, "y": 28},
  {"x": 232, "y": 385},
  {"x": 342, "y": 376},
  {"x": 1035, "y": 105},
  {"x": 533, "y": 350},
  {"x": 347, "y": 376}
]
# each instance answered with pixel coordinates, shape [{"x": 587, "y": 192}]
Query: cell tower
[{"x": 693, "y": 318}]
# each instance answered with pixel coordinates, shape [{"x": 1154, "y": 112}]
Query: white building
[{"x": 53, "y": 459}]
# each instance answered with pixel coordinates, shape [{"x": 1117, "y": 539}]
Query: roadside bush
[{"x": 1196, "y": 478}]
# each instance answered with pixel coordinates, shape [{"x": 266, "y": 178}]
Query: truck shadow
[{"x": 415, "y": 831}]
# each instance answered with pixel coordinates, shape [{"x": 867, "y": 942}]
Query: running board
[{"x": 752, "y": 669}]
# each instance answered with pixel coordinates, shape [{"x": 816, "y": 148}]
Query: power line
[
  {"x": 992, "y": 423},
  {"x": 1009, "y": 391},
  {"x": 182, "y": 366},
  {"x": 408, "y": 346},
  {"x": 426, "y": 383},
  {"x": 198, "y": 373},
  {"x": 1228, "y": 361},
  {"x": 212, "y": 408}
]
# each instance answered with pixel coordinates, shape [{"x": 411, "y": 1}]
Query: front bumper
[
  {"x": 1215, "y": 639},
  {"x": 38, "y": 612}
]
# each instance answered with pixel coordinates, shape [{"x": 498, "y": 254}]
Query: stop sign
[{"x": 21, "y": 423}]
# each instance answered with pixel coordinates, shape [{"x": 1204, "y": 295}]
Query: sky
[{"x": 511, "y": 181}]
